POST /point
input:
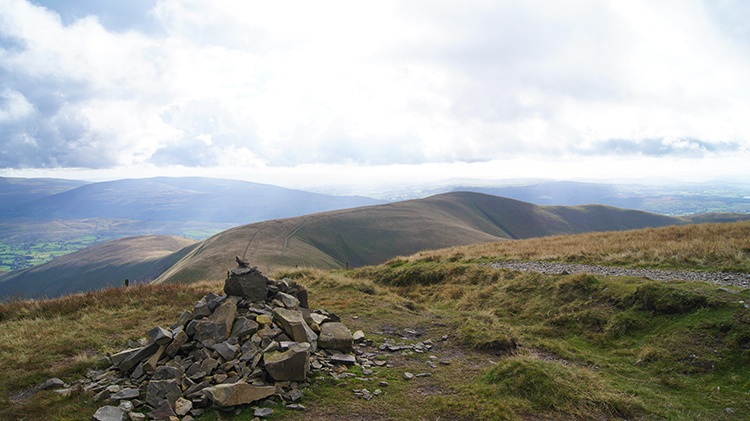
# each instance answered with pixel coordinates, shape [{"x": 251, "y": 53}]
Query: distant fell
[
  {"x": 16, "y": 192},
  {"x": 184, "y": 199}
]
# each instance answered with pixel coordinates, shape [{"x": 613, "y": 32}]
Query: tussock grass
[{"x": 702, "y": 246}]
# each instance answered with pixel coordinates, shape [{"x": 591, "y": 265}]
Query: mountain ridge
[{"x": 337, "y": 239}]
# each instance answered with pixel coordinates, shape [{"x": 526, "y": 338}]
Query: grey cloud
[{"x": 687, "y": 147}]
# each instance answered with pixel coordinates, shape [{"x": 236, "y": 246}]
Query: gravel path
[{"x": 724, "y": 278}]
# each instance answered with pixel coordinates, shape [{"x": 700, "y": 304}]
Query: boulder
[
  {"x": 294, "y": 325},
  {"x": 247, "y": 283},
  {"x": 109, "y": 413},
  {"x": 292, "y": 364},
  {"x": 335, "y": 335},
  {"x": 240, "y": 393}
]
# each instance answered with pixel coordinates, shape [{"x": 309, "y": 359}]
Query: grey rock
[
  {"x": 289, "y": 301},
  {"x": 185, "y": 317},
  {"x": 293, "y": 364},
  {"x": 167, "y": 372},
  {"x": 335, "y": 335},
  {"x": 109, "y": 413},
  {"x": 53, "y": 383},
  {"x": 122, "y": 355},
  {"x": 294, "y": 325},
  {"x": 226, "y": 350},
  {"x": 247, "y": 283},
  {"x": 125, "y": 394},
  {"x": 263, "y": 412},
  {"x": 209, "y": 365},
  {"x": 182, "y": 406},
  {"x": 240, "y": 393},
  {"x": 137, "y": 416},
  {"x": 138, "y": 356},
  {"x": 126, "y": 406},
  {"x": 201, "y": 310},
  {"x": 160, "y": 336},
  {"x": 163, "y": 411},
  {"x": 180, "y": 339},
  {"x": 159, "y": 390},
  {"x": 243, "y": 327}
]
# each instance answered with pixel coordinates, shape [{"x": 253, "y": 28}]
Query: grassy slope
[
  {"x": 107, "y": 264},
  {"x": 361, "y": 236},
  {"x": 373, "y": 234},
  {"x": 519, "y": 346}
]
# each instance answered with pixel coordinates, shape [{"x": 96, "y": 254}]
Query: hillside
[
  {"x": 184, "y": 199},
  {"x": 330, "y": 240},
  {"x": 479, "y": 342},
  {"x": 16, "y": 192},
  {"x": 99, "y": 266},
  {"x": 371, "y": 235}
]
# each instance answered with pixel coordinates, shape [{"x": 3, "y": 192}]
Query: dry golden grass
[{"x": 716, "y": 246}]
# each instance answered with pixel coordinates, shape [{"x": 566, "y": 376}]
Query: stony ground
[{"x": 724, "y": 278}]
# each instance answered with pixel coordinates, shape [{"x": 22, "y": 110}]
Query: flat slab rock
[
  {"x": 225, "y": 395},
  {"x": 110, "y": 413}
]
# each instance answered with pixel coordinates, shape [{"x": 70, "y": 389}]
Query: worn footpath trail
[{"x": 741, "y": 280}]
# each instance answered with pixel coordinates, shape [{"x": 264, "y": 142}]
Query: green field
[{"x": 25, "y": 255}]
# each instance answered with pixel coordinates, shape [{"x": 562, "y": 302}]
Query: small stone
[
  {"x": 53, "y": 383},
  {"x": 295, "y": 395},
  {"x": 109, "y": 413},
  {"x": 182, "y": 406},
  {"x": 383, "y": 384},
  {"x": 358, "y": 336},
  {"x": 126, "y": 406},
  {"x": 408, "y": 376},
  {"x": 423, "y": 375},
  {"x": 137, "y": 416},
  {"x": 263, "y": 412},
  {"x": 296, "y": 407}
]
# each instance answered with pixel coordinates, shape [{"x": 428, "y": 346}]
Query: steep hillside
[{"x": 101, "y": 265}]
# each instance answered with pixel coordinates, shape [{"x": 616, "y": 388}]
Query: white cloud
[{"x": 291, "y": 83}]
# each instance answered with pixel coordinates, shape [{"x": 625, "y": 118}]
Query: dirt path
[{"x": 741, "y": 280}]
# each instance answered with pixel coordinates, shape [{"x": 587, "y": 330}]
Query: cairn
[{"x": 258, "y": 341}]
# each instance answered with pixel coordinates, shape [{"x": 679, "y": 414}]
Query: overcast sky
[{"x": 297, "y": 91}]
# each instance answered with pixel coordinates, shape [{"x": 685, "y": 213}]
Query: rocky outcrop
[{"x": 257, "y": 341}]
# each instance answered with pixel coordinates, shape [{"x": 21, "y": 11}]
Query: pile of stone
[{"x": 257, "y": 342}]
